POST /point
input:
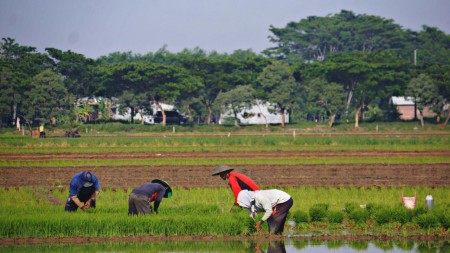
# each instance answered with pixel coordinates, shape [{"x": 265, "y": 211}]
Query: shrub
[
  {"x": 335, "y": 217},
  {"x": 428, "y": 220},
  {"x": 318, "y": 212},
  {"x": 300, "y": 216}
]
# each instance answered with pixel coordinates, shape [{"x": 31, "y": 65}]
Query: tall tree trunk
[
  {"x": 283, "y": 118},
  {"x": 422, "y": 124},
  {"x": 357, "y": 117},
  {"x": 349, "y": 98},
  {"x": 446, "y": 120},
  {"x": 331, "y": 122},
  {"x": 208, "y": 119},
  {"x": 163, "y": 122},
  {"x": 132, "y": 115}
]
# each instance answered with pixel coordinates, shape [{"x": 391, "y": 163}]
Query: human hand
[
  {"x": 84, "y": 208},
  {"x": 87, "y": 204}
]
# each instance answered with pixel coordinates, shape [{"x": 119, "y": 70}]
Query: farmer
[
  {"x": 84, "y": 189},
  {"x": 236, "y": 181},
  {"x": 274, "y": 203},
  {"x": 41, "y": 131},
  {"x": 141, "y": 197}
]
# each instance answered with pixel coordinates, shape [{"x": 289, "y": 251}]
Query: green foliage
[
  {"x": 390, "y": 214},
  {"x": 300, "y": 216},
  {"x": 335, "y": 217},
  {"x": 318, "y": 212},
  {"x": 428, "y": 220},
  {"x": 359, "y": 216}
]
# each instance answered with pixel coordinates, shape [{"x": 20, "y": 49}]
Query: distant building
[
  {"x": 405, "y": 107},
  {"x": 260, "y": 113}
]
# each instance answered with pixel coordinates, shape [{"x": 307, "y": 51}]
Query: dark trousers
[
  {"x": 84, "y": 195},
  {"x": 277, "y": 220},
  {"x": 138, "y": 204}
]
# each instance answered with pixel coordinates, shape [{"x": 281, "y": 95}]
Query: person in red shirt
[{"x": 236, "y": 181}]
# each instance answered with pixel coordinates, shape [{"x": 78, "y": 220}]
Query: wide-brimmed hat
[
  {"x": 168, "y": 193},
  {"x": 221, "y": 169}
]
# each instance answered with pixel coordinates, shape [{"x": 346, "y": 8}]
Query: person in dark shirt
[
  {"x": 84, "y": 189},
  {"x": 141, "y": 197},
  {"x": 236, "y": 181}
]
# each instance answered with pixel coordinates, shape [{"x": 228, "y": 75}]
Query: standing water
[{"x": 251, "y": 246}]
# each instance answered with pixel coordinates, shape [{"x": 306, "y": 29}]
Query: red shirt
[{"x": 238, "y": 182}]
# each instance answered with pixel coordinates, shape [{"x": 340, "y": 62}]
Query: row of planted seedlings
[
  {"x": 33, "y": 212},
  {"x": 222, "y": 143}
]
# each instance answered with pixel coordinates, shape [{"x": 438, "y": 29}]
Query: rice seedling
[{"x": 197, "y": 211}]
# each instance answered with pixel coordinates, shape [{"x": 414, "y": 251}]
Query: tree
[
  {"x": 132, "y": 102},
  {"x": 328, "y": 96},
  {"x": 279, "y": 86},
  {"x": 423, "y": 92},
  {"x": 18, "y": 65},
  {"x": 158, "y": 82},
  {"x": 81, "y": 75},
  {"x": 47, "y": 98},
  {"x": 314, "y": 38},
  {"x": 236, "y": 100}
]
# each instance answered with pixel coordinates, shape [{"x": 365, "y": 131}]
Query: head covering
[
  {"x": 246, "y": 199},
  {"x": 221, "y": 169},
  {"x": 168, "y": 193},
  {"x": 86, "y": 177}
]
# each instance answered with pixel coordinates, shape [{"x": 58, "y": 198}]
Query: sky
[{"x": 96, "y": 28}]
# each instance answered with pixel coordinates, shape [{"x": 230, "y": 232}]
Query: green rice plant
[
  {"x": 335, "y": 217},
  {"x": 359, "y": 216},
  {"x": 318, "y": 212},
  {"x": 300, "y": 216},
  {"x": 389, "y": 214},
  {"x": 428, "y": 220}
]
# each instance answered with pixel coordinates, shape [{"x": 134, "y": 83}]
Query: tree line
[{"x": 344, "y": 65}]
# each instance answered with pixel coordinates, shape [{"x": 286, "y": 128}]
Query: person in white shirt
[{"x": 274, "y": 203}]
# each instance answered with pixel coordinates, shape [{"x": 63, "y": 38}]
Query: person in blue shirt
[
  {"x": 142, "y": 196},
  {"x": 84, "y": 189}
]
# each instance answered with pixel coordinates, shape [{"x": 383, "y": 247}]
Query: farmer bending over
[
  {"x": 236, "y": 181},
  {"x": 141, "y": 197},
  {"x": 84, "y": 188},
  {"x": 274, "y": 203}
]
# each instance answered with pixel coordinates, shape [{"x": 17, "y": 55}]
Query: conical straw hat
[{"x": 221, "y": 169}]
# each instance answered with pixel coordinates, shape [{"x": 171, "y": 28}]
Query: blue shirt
[{"x": 77, "y": 183}]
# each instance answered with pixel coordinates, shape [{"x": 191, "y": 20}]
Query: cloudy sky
[{"x": 99, "y": 27}]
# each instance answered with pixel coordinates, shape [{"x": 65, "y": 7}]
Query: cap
[
  {"x": 168, "y": 193},
  {"x": 221, "y": 169},
  {"x": 87, "y": 178}
]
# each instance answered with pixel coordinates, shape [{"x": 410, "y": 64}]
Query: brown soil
[{"x": 279, "y": 175}]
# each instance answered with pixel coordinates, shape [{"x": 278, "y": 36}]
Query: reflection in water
[{"x": 248, "y": 246}]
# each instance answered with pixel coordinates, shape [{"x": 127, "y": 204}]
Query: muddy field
[{"x": 282, "y": 175}]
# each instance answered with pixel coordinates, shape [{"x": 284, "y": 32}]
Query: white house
[{"x": 260, "y": 113}]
